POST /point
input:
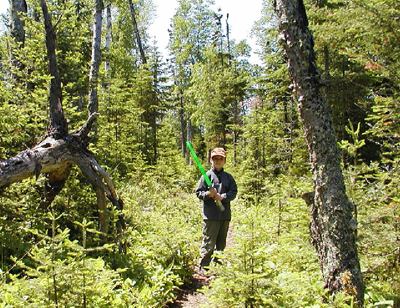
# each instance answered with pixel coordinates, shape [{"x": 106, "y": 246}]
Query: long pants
[{"x": 214, "y": 237}]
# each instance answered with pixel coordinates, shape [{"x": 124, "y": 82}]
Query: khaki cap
[{"x": 218, "y": 152}]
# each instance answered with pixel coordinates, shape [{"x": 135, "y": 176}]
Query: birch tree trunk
[
  {"x": 333, "y": 226},
  {"x": 108, "y": 40},
  {"x": 96, "y": 58}
]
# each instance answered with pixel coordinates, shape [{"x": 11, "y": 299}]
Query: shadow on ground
[{"x": 189, "y": 295}]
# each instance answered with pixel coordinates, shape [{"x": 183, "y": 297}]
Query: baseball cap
[{"x": 218, "y": 152}]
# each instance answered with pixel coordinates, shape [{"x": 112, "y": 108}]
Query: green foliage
[
  {"x": 58, "y": 273},
  {"x": 119, "y": 141},
  {"x": 352, "y": 41},
  {"x": 162, "y": 236},
  {"x": 171, "y": 169},
  {"x": 271, "y": 262},
  {"x": 193, "y": 27},
  {"x": 352, "y": 148},
  {"x": 272, "y": 141},
  {"x": 375, "y": 191},
  {"x": 385, "y": 125},
  {"x": 217, "y": 107},
  {"x": 23, "y": 95}
]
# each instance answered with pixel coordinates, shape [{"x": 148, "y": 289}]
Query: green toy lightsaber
[{"x": 203, "y": 172}]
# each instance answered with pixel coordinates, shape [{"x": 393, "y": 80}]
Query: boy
[{"x": 215, "y": 221}]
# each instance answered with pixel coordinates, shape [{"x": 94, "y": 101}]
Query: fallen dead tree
[{"x": 59, "y": 150}]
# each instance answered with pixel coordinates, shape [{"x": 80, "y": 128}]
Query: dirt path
[{"x": 190, "y": 296}]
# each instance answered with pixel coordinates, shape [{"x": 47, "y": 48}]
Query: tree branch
[
  {"x": 84, "y": 131},
  {"x": 47, "y": 157}
]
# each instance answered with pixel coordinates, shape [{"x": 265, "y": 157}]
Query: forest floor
[{"x": 191, "y": 295}]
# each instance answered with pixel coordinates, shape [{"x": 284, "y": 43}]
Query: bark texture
[
  {"x": 333, "y": 226},
  {"x": 53, "y": 157},
  {"x": 58, "y": 124},
  {"x": 96, "y": 58}
]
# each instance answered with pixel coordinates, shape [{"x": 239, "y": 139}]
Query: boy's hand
[
  {"x": 212, "y": 193},
  {"x": 218, "y": 197}
]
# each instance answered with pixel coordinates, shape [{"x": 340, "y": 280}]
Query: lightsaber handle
[{"x": 220, "y": 205}]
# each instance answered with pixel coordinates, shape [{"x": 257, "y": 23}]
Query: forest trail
[{"x": 190, "y": 295}]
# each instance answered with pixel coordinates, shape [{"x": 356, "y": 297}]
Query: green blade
[{"x": 198, "y": 163}]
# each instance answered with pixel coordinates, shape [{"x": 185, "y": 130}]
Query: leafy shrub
[{"x": 162, "y": 236}]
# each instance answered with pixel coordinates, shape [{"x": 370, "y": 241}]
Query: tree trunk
[
  {"x": 326, "y": 63},
  {"x": 188, "y": 137},
  {"x": 137, "y": 33},
  {"x": 58, "y": 127},
  {"x": 93, "y": 105},
  {"x": 18, "y": 7},
  {"x": 108, "y": 41},
  {"x": 58, "y": 124},
  {"x": 227, "y": 38},
  {"x": 96, "y": 58},
  {"x": 154, "y": 110},
  {"x": 333, "y": 226},
  {"x": 183, "y": 124}
]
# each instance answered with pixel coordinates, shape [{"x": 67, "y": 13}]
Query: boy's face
[{"x": 218, "y": 162}]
